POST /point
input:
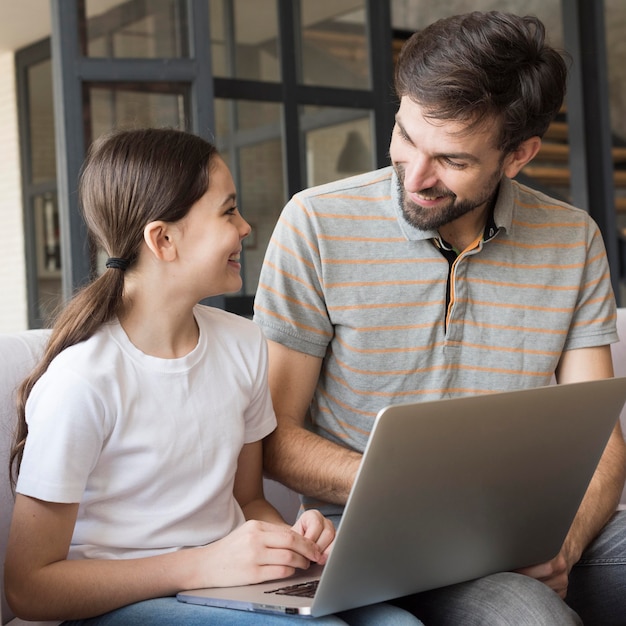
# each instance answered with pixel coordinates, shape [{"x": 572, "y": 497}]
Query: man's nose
[{"x": 419, "y": 173}]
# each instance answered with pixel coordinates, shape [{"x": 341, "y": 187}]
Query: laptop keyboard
[{"x": 302, "y": 590}]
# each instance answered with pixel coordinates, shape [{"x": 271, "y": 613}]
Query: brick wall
[{"x": 13, "y": 310}]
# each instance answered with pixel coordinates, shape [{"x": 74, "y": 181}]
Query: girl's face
[{"x": 211, "y": 236}]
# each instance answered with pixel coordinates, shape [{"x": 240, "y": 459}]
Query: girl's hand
[
  {"x": 314, "y": 526},
  {"x": 259, "y": 551}
]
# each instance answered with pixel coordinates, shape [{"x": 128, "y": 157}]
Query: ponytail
[{"x": 91, "y": 307}]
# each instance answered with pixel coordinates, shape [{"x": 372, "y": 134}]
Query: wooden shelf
[
  {"x": 551, "y": 151},
  {"x": 557, "y": 131},
  {"x": 561, "y": 175}
]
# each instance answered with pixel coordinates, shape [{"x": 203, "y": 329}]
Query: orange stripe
[
  {"x": 292, "y": 277},
  {"x": 542, "y": 205},
  {"x": 540, "y": 246},
  {"x": 548, "y": 224},
  {"x": 370, "y": 329},
  {"x": 300, "y": 234},
  {"x": 427, "y": 347},
  {"x": 348, "y": 196},
  {"x": 434, "y": 368},
  {"x": 347, "y": 406},
  {"x": 359, "y": 218},
  {"x": 383, "y": 283},
  {"x": 364, "y": 239},
  {"x": 283, "y": 297},
  {"x": 597, "y": 281},
  {"x": 292, "y": 253},
  {"x": 522, "y": 307},
  {"x": 492, "y": 348},
  {"x": 546, "y": 331},
  {"x": 527, "y": 265},
  {"x": 598, "y": 257},
  {"x": 291, "y": 322},
  {"x": 313, "y": 192},
  {"x": 385, "y": 305},
  {"x": 381, "y": 261},
  {"x": 496, "y": 283}
]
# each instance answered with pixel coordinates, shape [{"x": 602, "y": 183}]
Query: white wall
[{"x": 13, "y": 310}]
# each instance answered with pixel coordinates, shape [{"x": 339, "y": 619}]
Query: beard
[{"x": 433, "y": 218}]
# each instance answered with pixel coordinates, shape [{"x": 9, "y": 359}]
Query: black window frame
[{"x": 588, "y": 115}]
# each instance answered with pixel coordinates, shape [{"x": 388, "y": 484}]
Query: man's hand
[
  {"x": 554, "y": 573},
  {"x": 314, "y": 526}
]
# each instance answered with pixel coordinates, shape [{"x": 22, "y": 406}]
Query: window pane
[
  {"x": 244, "y": 39},
  {"x": 335, "y": 43},
  {"x": 122, "y": 106},
  {"x": 248, "y": 135},
  {"x": 41, "y": 123},
  {"x": 338, "y": 143},
  {"x": 417, "y": 14},
  {"x": 615, "y": 20},
  {"x": 47, "y": 256},
  {"x": 144, "y": 29}
]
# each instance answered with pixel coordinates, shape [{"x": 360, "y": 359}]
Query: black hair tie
[{"x": 117, "y": 264}]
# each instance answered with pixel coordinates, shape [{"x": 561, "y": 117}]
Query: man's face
[{"x": 443, "y": 174}]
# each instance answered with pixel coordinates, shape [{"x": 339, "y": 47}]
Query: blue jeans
[
  {"x": 596, "y": 593},
  {"x": 170, "y": 612},
  {"x": 597, "y": 584}
]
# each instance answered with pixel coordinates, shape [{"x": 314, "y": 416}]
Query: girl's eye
[{"x": 232, "y": 210}]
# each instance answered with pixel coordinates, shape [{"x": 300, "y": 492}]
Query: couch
[{"x": 18, "y": 353}]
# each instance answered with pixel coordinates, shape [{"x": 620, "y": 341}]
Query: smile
[{"x": 420, "y": 196}]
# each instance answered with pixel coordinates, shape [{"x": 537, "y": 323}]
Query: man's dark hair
[{"x": 479, "y": 67}]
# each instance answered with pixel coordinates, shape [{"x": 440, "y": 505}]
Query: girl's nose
[{"x": 244, "y": 229}]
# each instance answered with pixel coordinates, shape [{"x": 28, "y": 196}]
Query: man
[{"x": 438, "y": 277}]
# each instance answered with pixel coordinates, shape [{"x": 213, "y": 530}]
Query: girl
[{"x": 141, "y": 460}]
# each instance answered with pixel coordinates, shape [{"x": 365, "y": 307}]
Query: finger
[
  {"x": 541, "y": 571},
  {"x": 310, "y": 524},
  {"x": 287, "y": 539},
  {"x": 326, "y": 539},
  {"x": 313, "y": 525}
]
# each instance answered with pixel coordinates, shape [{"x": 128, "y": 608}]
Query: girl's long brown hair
[{"x": 129, "y": 179}]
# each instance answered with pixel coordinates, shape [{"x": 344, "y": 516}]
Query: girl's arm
[
  {"x": 41, "y": 584},
  {"x": 248, "y": 491},
  {"x": 248, "y": 488}
]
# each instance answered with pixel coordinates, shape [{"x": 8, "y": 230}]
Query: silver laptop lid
[{"x": 457, "y": 489}]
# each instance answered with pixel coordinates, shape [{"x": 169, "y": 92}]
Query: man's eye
[
  {"x": 405, "y": 137},
  {"x": 454, "y": 164}
]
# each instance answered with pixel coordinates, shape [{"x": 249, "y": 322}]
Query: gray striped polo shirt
[{"x": 346, "y": 278}]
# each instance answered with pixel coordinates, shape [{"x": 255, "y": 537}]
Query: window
[
  {"x": 287, "y": 89},
  {"x": 41, "y": 216}
]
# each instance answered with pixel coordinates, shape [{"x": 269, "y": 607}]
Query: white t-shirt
[{"x": 148, "y": 446}]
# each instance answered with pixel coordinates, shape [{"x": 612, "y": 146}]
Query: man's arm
[
  {"x": 605, "y": 489},
  {"x": 302, "y": 460}
]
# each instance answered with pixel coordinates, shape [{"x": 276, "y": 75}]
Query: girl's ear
[{"x": 158, "y": 239}]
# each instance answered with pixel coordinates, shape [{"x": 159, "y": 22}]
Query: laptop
[{"x": 449, "y": 491}]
